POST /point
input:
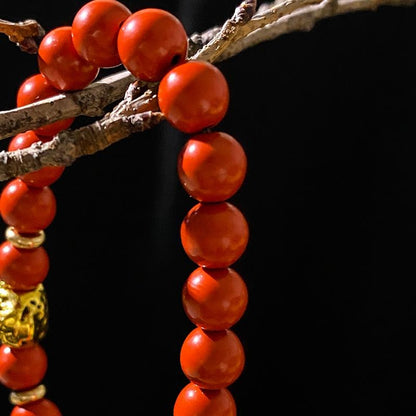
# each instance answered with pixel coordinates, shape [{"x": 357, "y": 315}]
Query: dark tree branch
[{"x": 138, "y": 110}]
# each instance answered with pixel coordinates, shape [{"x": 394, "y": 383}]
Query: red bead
[
  {"x": 212, "y": 166},
  {"x": 151, "y": 42},
  {"x": 95, "y": 29},
  {"x": 60, "y": 63},
  {"x": 42, "y": 407},
  {"x": 214, "y": 235},
  {"x": 26, "y": 208},
  {"x": 23, "y": 269},
  {"x": 194, "y": 401},
  {"x": 214, "y": 299},
  {"x": 212, "y": 359},
  {"x": 22, "y": 368},
  {"x": 44, "y": 176},
  {"x": 194, "y": 96},
  {"x": 35, "y": 88}
]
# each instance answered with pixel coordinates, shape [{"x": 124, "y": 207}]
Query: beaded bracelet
[{"x": 194, "y": 98}]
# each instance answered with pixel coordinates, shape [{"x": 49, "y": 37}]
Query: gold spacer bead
[
  {"x": 21, "y": 241},
  {"x": 19, "y": 398}
]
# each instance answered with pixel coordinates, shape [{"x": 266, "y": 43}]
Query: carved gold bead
[
  {"x": 23, "y": 317},
  {"x": 20, "y": 398},
  {"x": 24, "y": 241}
]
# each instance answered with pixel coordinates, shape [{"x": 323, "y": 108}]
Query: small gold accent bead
[
  {"x": 24, "y": 241},
  {"x": 19, "y": 398},
  {"x": 23, "y": 317}
]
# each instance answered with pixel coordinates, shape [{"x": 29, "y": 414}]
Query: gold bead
[
  {"x": 23, "y": 317},
  {"x": 21, "y": 241},
  {"x": 19, "y": 398}
]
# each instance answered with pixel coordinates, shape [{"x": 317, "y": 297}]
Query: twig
[
  {"x": 303, "y": 19},
  {"x": 87, "y": 102},
  {"x": 237, "y": 28},
  {"x": 136, "y": 113},
  {"x": 26, "y": 34}
]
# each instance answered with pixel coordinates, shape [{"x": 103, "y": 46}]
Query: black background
[{"x": 327, "y": 120}]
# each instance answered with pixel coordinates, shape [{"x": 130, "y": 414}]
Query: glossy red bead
[
  {"x": 23, "y": 269},
  {"x": 194, "y": 401},
  {"x": 61, "y": 64},
  {"x": 44, "y": 176},
  {"x": 214, "y": 299},
  {"x": 194, "y": 96},
  {"x": 212, "y": 166},
  {"x": 214, "y": 235},
  {"x": 42, "y": 407},
  {"x": 22, "y": 368},
  {"x": 36, "y": 88},
  {"x": 151, "y": 42},
  {"x": 95, "y": 29},
  {"x": 212, "y": 359},
  {"x": 28, "y": 209}
]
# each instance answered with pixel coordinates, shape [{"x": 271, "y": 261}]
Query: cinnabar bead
[
  {"x": 194, "y": 96},
  {"x": 212, "y": 359},
  {"x": 44, "y": 176},
  {"x": 22, "y": 368},
  {"x": 23, "y": 269},
  {"x": 28, "y": 209},
  {"x": 214, "y": 235},
  {"x": 42, "y": 407},
  {"x": 61, "y": 64},
  {"x": 212, "y": 166},
  {"x": 151, "y": 42},
  {"x": 214, "y": 299},
  {"x": 36, "y": 88},
  {"x": 95, "y": 29},
  {"x": 194, "y": 401}
]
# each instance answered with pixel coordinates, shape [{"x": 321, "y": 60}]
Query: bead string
[
  {"x": 211, "y": 168},
  {"x": 214, "y": 234}
]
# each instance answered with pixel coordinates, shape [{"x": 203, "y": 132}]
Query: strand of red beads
[
  {"x": 152, "y": 44},
  {"x": 28, "y": 207},
  {"x": 194, "y": 97}
]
